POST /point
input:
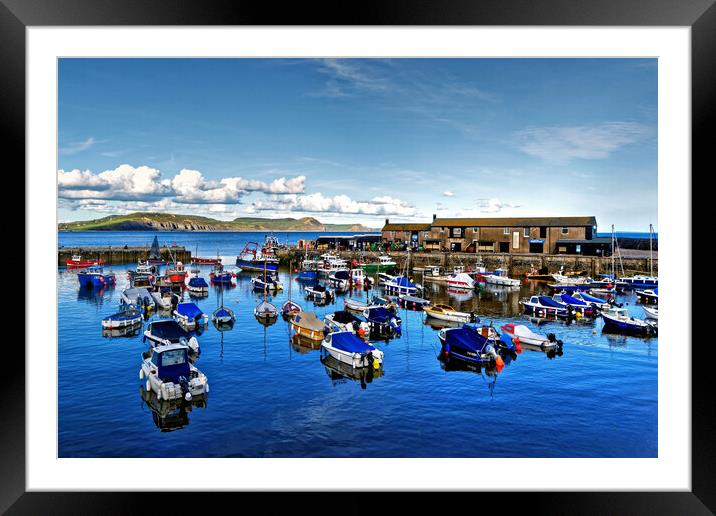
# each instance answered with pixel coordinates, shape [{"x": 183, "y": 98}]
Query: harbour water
[{"x": 271, "y": 398}]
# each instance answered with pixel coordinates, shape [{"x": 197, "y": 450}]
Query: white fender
[
  {"x": 159, "y": 393},
  {"x": 141, "y": 373},
  {"x": 148, "y": 386},
  {"x": 206, "y": 387}
]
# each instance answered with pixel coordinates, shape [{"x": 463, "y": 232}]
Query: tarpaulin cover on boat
[
  {"x": 592, "y": 299},
  {"x": 344, "y": 317},
  {"x": 548, "y": 301},
  {"x": 222, "y": 312},
  {"x": 198, "y": 282},
  {"x": 168, "y": 329},
  {"x": 572, "y": 300},
  {"x": 465, "y": 338},
  {"x": 319, "y": 288},
  {"x": 189, "y": 310},
  {"x": 402, "y": 281},
  {"x": 342, "y": 275},
  {"x": 379, "y": 314},
  {"x": 348, "y": 342}
]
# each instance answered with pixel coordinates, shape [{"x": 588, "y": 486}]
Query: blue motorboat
[
  {"x": 218, "y": 276},
  {"x": 469, "y": 345},
  {"x": 595, "y": 302},
  {"x": 267, "y": 282},
  {"x": 618, "y": 319},
  {"x": 95, "y": 277},
  {"x": 545, "y": 306},
  {"x": 638, "y": 281},
  {"x": 198, "y": 286},
  {"x": 578, "y": 305},
  {"x": 249, "y": 260}
]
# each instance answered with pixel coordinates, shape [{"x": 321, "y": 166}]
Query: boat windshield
[{"x": 173, "y": 357}]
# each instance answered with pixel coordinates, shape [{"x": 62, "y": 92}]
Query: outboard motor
[{"x": 184, "y": 383}]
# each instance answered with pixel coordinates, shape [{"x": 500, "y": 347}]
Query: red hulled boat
[{"x": 77, "y": 261}]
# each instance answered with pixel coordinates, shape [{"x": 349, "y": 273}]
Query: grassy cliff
[{"x": 172, "y": 222}]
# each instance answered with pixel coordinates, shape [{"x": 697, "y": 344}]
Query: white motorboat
[
  {"x": 139, "y": 297},
  {"x": 521, "y": 334},
  {"x": 170, "y": 374},
  {"x": 345, "y": 347},
  {"x": 461, "y": 280},
  {"x": 190, "y": 316},
  {"x": 500, "y": 277},
  {"x": 164, "y": 299},
  {"x": 346, "y": 321},
  {"x": 130, "y": 316}
]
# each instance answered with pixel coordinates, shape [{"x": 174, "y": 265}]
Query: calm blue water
[
  {"x": 271, "y": 399},
  {"x": 208, "y": 243}
]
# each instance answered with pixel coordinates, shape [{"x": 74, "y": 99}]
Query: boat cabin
[{"x": 170, "y": 363}]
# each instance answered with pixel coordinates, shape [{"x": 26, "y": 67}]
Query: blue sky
[{"x": 360, "y": 140}]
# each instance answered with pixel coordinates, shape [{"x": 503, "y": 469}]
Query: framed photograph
[{"x": 418, "y": 253}]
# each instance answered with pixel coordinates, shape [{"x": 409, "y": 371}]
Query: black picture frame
[{"x": 700, "y": 15}]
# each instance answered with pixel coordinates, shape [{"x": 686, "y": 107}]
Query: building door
[
  {"x": 536, "y": 248},
  {"x": 543, "y": 232},
  {"x": 504, "y": 247},
  {"x": 515, "y": 240},
  {"x": 455, "y": 246}
]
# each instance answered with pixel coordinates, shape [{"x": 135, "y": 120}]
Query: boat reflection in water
[
  {"x": 91, "y": 296},
  {"x": 302, "y": 344},
  {"x": 439, "y": 324},
  {"x": 127, "y": 331},
  {"x": 461, "y": 295},
  {"x": 489, "y": 372},
  {"x": 170, "y": 415},
  {"x": 339, "y": 372}
]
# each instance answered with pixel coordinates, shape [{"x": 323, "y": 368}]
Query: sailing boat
[
  {"x": 642, "y": 280},
  {"x": 265, "y": 312},
  {"x": 155, "y": 257},
  {"x": 606, "y": 285},
  {"x": 223, "y": 315},
  {"x": 290, "y": 308}
]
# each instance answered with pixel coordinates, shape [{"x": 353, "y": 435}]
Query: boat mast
[{"x": 651, "y": 256}]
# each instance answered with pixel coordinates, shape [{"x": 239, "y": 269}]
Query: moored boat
[
  {"x": 77, "y": 262},
  {"x": 382, "y": 321},
  {"x": 343, "y": 320},
  {"x": 190, "y": 316},
  {"x": 469, "y": 344},
  {"x": 319, "y": 293},
  {"x": 413, "y": 302},
  {"x": 139, "y": 297},
  {"x": 249, "y": 260},
  {"x": 169, "y": 373},
  {"x": 648, "y": 297},
  {"x": 448, "y": 313},
  {"x": 638, "y": 281},
  {"x": 651, "y": 312},
  {"x": 197, "y": 285},
  {"x": 545, "y": 306},
  {"x": 401, "y": 285},
  {"x": 522, "y": 335},
  {"x": 308, "y": 325},
  {"x": 618, "y": 319},
  {"x": 167, "y": 332},
  {"x": 500, "y": 277},
  {"x": 129, "y": 316},
  {"x": 461, "y": 280},
  {"x": 267, "y": 283},
  {"x": 383, "y": 264},
  {"x": 95, "y": 277},
  {"x": 345, "y": 347}
]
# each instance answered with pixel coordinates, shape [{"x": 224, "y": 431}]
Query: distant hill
[{"x": 171, "y": 222}]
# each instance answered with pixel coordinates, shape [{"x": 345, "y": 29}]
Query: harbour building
[{"x": 538, "y": 235}]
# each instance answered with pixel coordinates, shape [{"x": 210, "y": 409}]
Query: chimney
[
  {"x": 434, "y": 217},
  {"x": 386, "y": 222}
]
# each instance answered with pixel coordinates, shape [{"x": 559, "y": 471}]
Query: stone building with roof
[{"x": 542, "y": 235}]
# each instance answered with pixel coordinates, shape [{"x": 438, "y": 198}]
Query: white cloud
[
  {"x": 318, "y": 203},
  {"x": 143, "y": 183},
  {"x": 448, "y": 193},
  {"x": 562, "y": 144}
]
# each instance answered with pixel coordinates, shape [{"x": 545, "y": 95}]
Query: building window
[
  {"x": 578, "y": 249},
  {"x": 565, "y": 231},
  {"x": 456, "y": 232},
  {"x": 527, "y": 232},
  {"x": 505, "y": 231}
]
